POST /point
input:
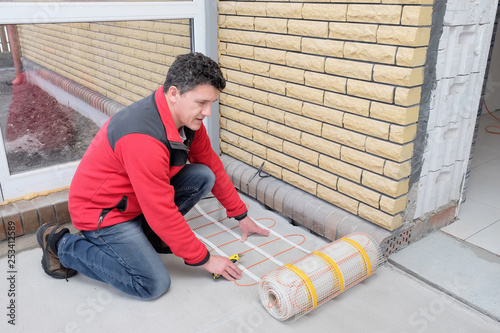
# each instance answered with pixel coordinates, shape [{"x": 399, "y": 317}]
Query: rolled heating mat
[{"x": 295, "y": 289}]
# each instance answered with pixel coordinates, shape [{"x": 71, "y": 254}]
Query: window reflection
[{"x": 106, "y": 64}]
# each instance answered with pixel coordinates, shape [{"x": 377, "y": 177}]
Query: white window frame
[{"x": 204, "y": 16}]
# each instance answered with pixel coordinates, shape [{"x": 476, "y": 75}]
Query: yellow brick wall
[
  {"x": 124, "y": 61},
  {"x": 327, "y": 93}
]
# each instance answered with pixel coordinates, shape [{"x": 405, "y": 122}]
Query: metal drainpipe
[{"x": 16, "y": 55}]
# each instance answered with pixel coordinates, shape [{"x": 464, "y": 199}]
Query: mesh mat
[{"x": 284, "y": 269}]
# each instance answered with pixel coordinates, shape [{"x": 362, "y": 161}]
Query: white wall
[{"x": 492, "y": 93}]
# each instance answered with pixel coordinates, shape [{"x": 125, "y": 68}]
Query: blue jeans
[{"x": 121, "y": 255}]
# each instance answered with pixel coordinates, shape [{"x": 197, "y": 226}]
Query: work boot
[{"x": 47, "y": 236}]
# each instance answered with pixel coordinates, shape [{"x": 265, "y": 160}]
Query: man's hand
[
  {"x": 247, "y": 225},
  {"x": 223, "y": 266}
]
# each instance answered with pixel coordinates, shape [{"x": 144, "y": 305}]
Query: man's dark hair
[{"x": 192, "y": 69}]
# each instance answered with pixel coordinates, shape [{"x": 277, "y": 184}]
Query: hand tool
[{"x": 233, "y": 258}]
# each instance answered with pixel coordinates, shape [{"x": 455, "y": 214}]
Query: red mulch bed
[{"x": 39, "y": 118}]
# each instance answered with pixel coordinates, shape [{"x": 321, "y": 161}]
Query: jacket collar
[{"x": 166, "y": 116}]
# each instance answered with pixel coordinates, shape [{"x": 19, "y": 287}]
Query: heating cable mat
[{"x": 286, "y": 270}]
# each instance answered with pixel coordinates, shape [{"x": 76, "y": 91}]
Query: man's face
[{"x": 190, "y": 108}]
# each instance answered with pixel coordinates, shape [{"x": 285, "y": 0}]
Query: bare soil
[{"x": 40, "y": 131}]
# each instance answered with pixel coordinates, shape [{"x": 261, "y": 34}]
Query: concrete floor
[{"x": 391, "y": 300}]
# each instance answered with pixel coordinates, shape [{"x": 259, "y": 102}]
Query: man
[{"x": 134, "y": 177}]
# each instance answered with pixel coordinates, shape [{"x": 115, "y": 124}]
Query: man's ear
[{"x": 173, "y": 94}]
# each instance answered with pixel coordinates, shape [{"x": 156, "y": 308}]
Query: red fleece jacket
[{"x": 139, "y": 168}]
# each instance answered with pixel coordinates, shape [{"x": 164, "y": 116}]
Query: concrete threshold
[{"x": 459, "y": 269}]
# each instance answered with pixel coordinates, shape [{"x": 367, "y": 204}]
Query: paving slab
[{"x": 466, "y": 272}]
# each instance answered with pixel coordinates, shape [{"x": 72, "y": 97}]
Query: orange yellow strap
[
  {"x": 363, "y": 253},
  {"x": 307, "y": 281},
  {"x": 335, "y": 268}
]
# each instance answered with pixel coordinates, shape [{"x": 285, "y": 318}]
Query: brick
[
  {"x": 325, "y": 81},
  {"x": 29, "y": 215},
  {"x": 393, "y": 206},
  {"x": 302, "y": 153},
  {"x": 443, "y": 218},
  {"x": 238, "y": 153},
  {"x": 239, "y": 103},
  {"x": 358, "y": 192},
  {"x": 289, "y": 10},
  {"x": 353, "y": 31},
  {"x": 340, "y": 168},
  {"x": 268, "y": 140},
  {"x": 283, "y": 160},
  {"x": 338, "y": 199},
  {"x": 394, "y": 114},
  {"x": 300, "y": 182},
  {"x": 243, "y": 37},
  {"x": 396, "y": 170},
  {"x": 255, "y": 95},
  {"x": 362, "y": 159},
  {"x": 417, "y": 15},
  {"x": 320, "y": 46},
  {"x": 270, "y": 85},
  {"x": 240, "y": 77},
  {"x": 269, "y": 168},
  {"x": 392, "y": 151},
  {"x": 305, "y": 93},
  {"x": 270, "y": 55},
  {"x": 321, "y": 145},
  {"x": 10, "y": 213},
  {"x": 404, "y": 36},
  {"x": 226, "y": 7},
  {"x": 284, "y": 132},
  {"x": 389, "y": 222},
  {"x": 253, "y": 121},
  {"x": 302, "y": 123},
  {"x": 45, "y": 209},
  {"x": 284, "y": 42},
  {"x": 238, "y": 22},
  {"x": 244, "y": 51},
  {"x": 401, "y": 76},
  {"x": 411, "y": 57},
  {"x": 242, "y": 130},
  {"x": 326, "y": 12},
  {"x": 254, "y": 67},
  {"x": 285, "y": 103},
  {"x": 370, "y": 90},
  {"x": 407, "y": 96},
  {"x": 252, "y": 147},
  {"x": 374, "y": 14},
  {"x": 270, "y": 113},
  {"x": 370, "y": 52},
  {"x": 349, "y": 68},
  {"x": 287, "y": 73},
  {"x": 305, "y": 61},
  {"x": 250, "y": 9},
  {"x": 385, "y": 185},
  {"x": 229, "y": 137},
  {"x": 324, "y": 114},
  {"x": 3, "y": 232},
  {"x": 347, "y": 103},
  {"x": 344, "y": 137},
  {"x": 318, "y": 175},
  {"x": 403, "y": 134},
  {"x": 308, "y": 28},
  {"x": 60, "y": 202},
  {"x": 368, "y": 126},
  {"x": 271, "y": 25}
]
